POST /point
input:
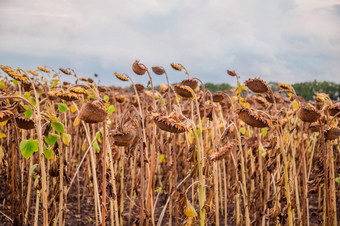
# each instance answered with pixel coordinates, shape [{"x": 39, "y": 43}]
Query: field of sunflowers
[{"x": 75, "y": 153}]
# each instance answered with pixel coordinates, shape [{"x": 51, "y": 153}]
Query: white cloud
[{"x": 277, "y": 40}]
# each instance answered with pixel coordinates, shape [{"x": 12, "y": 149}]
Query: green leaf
[
  {"x": 337, "y": 180},
  {"x": 27, "y": 147},
  {"x": 98, "y": 136},
  {"x": 198, "y": 132},
  {"x": 161, "y": 158},
  {"x": 2, "y": 84},
  {"x": 96, "y": 146},
  {"x": 27, "y": 95},
  {"x": 62, "y": 107},
  {"x": 242, "y": 130},
  {"x": 28, "y": 113},
  {"x": 66, "y": 139},
  {"x": 51, "y": 139},
  {"x": 106, "y": 98},
  {"x": 58, "y": 126},
  {"x": 15, "y": 82},
  {"x": 32, "y": 100},
  {"x": 33, "y": 167},
  {"x": 48, "y": 152},
  {"x": 111, "y": 109},
  {"x": 264, "y": 131}
]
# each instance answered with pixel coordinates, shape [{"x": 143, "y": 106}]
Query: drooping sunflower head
[
  {"x": 308, "y": 113},
  {"x": 257, "y": 85},
  {"x": 184, "y": 91},
  {"x": 139, "y": 68},
  {"x": 192, "y": 83},
  {"x": 92, "y": 112},
  {"x": 231, "y": 73},
  {"x": 285, "y": 86},
  {"x": 66, "y": 95},
  {"x": 169, "y": 124},
  {"x": 177, "y": 67},
  {"x": 158, "y": 70},
  {"x": 121, "y": 77},
  {"x": 124, "y": 138},
  {"x": 5, "y": 115},
  {"x": 24, "y": 123},
  {"x": 65, "y": 71},
  {"x": 252, "y": 118}
]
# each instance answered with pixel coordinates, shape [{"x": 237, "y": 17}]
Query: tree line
[{"x": 307, "y": 90}]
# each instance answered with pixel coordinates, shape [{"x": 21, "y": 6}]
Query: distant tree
[
  {"x": 308, "y": 90},
  {"x": 217, "y": 87}
]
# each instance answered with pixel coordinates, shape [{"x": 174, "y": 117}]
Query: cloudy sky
[{"x": 277, "y": 40}]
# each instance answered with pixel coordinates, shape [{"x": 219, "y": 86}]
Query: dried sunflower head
[
  {"x": 65, "y": 71},
  {"x": 231, "y": 73},
  {"x": 51, "y": 95},
  {"x": 332, "y": 133},
  {"x": 33, "y": 72},
  {"x": 139, "y": 87},
  {"x": 177, "y": 67},
  {"x": 102, "y": 89},
  {"x": 78, "y": 90},
  {"x": 222, "y": 152},
  {"x": 308, "y": 113},
  {"x": 314, "y": 127},
  {"x": 138, "y": 68},
  {"x": 261, "y": 101},
  {"x": 24, "y": 123},
  {"x": 133, "y": 101},
  {"x": 92, "y": 112},
  {"x": 66, "y": 95},
  {"x": 44, "y": 69},
  {"x": 15, "y": 74},
  {"x": 121, "y": 77},
  {"x": 124, "y": 138},
  {"x": 285, "y": 86},
  {"x": 158, "y": 70},
  {"x": 334, "y": 109},
  {"x": 270, "y": 98},
  {"x": 184, "y": 91},
  {"x": 257, "y": 85},
  {"x": 322, "y": 98},
  {"x": 120, "y": 99},
  {"x": 252, "y": 118},
  {"x": 5, "y": 115},
  {"x": 192, "y": 83},
  {"x": 163, "y": 87},
  {"x": 169, "y": 124},
  {"x": 219, "y": 96}
]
